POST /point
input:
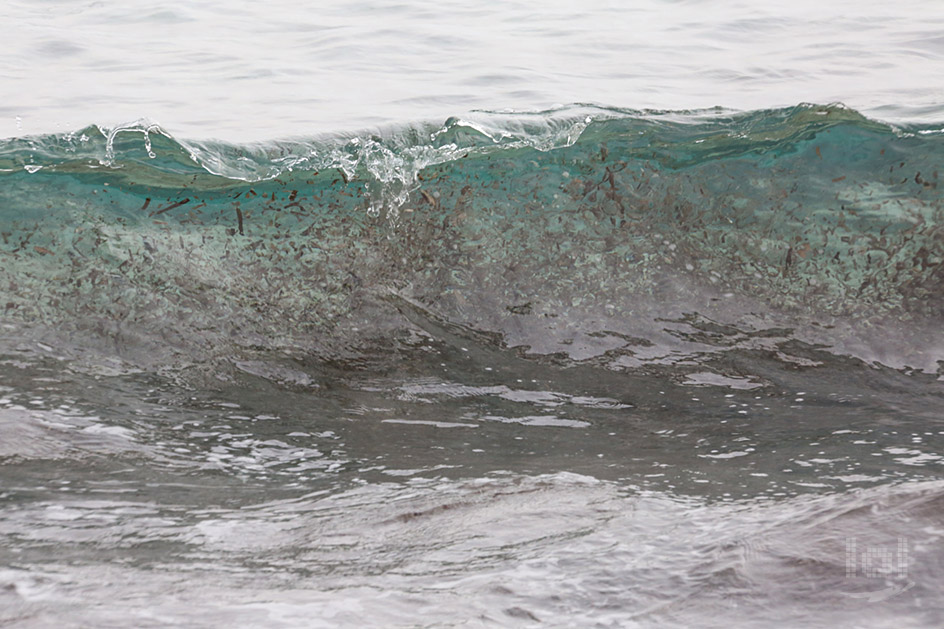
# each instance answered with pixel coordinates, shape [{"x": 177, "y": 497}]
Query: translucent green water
[{"x": 544, "y": 229}]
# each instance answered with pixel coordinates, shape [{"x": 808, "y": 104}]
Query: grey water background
[
  {"x": 583, "y": 366},
  {"x": 243, "y": 72}
]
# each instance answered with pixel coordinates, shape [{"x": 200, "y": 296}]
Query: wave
[{"x": 626, "y": 238}]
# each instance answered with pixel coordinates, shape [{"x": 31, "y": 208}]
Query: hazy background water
[{"x": 256, "y": 71}]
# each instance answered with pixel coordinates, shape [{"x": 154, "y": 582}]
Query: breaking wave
[{"x": 631, "y": 239}]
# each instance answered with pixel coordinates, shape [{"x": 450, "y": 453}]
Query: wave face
[{"x": 640, "y": 240}]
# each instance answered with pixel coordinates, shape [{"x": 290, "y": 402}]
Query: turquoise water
[
  {"x": 402, "y": 362},
  {"x": 580, "y": 230}
]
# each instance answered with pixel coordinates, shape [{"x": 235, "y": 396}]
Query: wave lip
[{"x": 374, "y": 152}]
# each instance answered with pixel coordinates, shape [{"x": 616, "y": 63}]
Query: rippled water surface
[
  {"x": 258, "y": 71},
  {"x": 463, "y": 495},
  {"x": 469, "y": 334}
]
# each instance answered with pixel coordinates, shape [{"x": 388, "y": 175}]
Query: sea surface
[{"x": 472, "y": 315}]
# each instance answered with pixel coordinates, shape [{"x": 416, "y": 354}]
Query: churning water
[{"x": 434, "y": 351}]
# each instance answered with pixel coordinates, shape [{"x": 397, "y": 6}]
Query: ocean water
[{"x": 443, "y": 314}]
